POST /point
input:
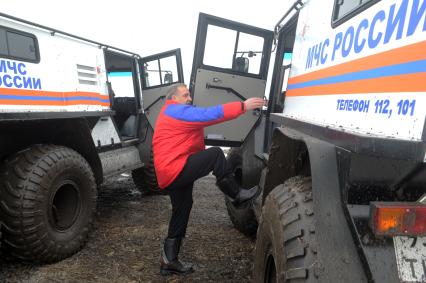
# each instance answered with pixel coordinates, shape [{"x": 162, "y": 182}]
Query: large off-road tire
[
  {"x": 242, "y": 216},
  {"x": 286, "y": 249},
  {"x": 145, "y": 178},
  {"x": 47, "y": 204}
]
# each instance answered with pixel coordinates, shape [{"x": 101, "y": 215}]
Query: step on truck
[
  {"x": 339, "y": 153},
  {"x": 71, "y": 114}
]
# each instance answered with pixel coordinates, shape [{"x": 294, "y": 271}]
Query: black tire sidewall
[
  {"x": 269, "y": 234},
  {"x": 29, "y": 183},
  {"x": 145, "y": 178},
  {"x": 242, "y": 216}
]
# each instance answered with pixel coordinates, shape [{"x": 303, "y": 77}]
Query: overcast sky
[{"x": 143, "y": 27}]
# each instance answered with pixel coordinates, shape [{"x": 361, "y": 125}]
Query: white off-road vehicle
[{"x": 71, "y": 114}]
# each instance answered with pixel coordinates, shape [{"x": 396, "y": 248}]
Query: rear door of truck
[{"x": 230, "y": 63}]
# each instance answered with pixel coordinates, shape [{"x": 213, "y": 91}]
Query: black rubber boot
[
  {"x": 236, "y": 194},
  {"x": 169, "y": 263}
]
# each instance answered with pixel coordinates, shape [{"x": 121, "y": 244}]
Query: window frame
[
  {"x": 337, "y": 22},
  {"x": 200, "y": 45},
  {"x": 235, "y": 51},
  {"x": 158, "y": 57},
  {"x": 26, "y": 34}
]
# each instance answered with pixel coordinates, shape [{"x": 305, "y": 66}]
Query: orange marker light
[{"x": 398, "y": 218}]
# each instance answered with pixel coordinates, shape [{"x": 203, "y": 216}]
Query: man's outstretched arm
[{"x": 205, "y": 116}]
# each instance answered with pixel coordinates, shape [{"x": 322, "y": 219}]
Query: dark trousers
[{"x": 198, "y": 165}]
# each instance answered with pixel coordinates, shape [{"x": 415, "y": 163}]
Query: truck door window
[
  {"x": 161, "y": 71},
  {"x": 250, "y": 47},
  {"x": 238, "y": 51},
  {"x": 152, "y": 73},
  {"x": 219, "y": 55},
  {"x": 169, "y": 68}
]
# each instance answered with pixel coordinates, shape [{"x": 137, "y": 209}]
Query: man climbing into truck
[{"x": 180, "y": 158}]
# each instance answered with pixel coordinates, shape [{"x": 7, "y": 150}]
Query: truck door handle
[{"x": 228, "y": 89}]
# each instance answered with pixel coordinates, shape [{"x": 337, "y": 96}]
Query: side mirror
[
  {"x": 241, "y": 64},
  {"x": 168, "y": 78}
]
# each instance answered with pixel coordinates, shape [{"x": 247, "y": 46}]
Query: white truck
[
  {"x": 71, "y": 114},
  {"x": 340, "y": 151}
]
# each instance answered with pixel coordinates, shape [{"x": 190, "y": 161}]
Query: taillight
[{"x": 398, "y": 218}]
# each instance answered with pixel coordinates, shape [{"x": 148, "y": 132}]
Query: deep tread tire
[
  {"x": 242, "y": 216},
  {"x": 286, "y": 249},
  {"x": 47, "y": 203},
  {"x": 145, "y": 178}
]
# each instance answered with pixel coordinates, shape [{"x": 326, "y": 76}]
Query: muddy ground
[{"x": 125, "y": 244}]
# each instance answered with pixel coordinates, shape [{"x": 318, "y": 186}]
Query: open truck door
[
  {"x": 158, "y": 72},
  {"x": 230, "y": 63}
]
